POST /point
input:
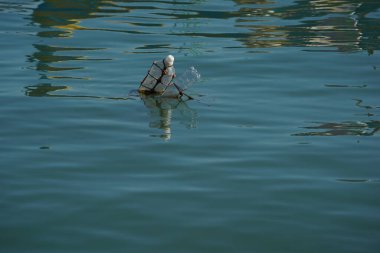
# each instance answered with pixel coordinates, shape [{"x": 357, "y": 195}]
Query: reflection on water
[
  {"x": 46, "y": 57},
  {"x": 345, "y": 24},
  {"x": 363, "y": 128},
  {"x": 68, "y": 13},
  {"x": 163, "y": 109},
  {"x": 359, "y": 103},
  {"x": 344, "y": 128},
  {"x": 45, "y": 90},
  {"x": 342, "y": 24},
  {"x": 86, "y": 176},
  {"x": 55, "y": 14},
  {"x": 56, "y": 20},
  {"x": 56, "y": 60}
]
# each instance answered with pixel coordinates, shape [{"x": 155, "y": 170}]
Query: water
[{"x": 278, "y": 152}]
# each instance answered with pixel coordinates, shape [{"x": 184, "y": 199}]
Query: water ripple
[{"x": 284, "y": 151}]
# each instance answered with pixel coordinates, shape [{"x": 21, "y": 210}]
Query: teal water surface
[{"x": 278, "y": 152}]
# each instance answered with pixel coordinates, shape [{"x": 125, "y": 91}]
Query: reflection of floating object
[
  {"x": 43, "y": 90},
  {"x": 163, "y": 109},
  {"x": 159, "y": 79}
]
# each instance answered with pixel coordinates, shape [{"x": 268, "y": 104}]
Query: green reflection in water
[
  {"x": 343, "y": 24},
  {"x": 52, "y": 13},
  {"x": 59, "y": 19}
]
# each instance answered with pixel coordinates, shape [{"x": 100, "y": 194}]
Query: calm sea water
[{"x": 279, "y": 151}]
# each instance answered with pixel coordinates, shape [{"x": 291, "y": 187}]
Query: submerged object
[{"x": 160, "y": 79}]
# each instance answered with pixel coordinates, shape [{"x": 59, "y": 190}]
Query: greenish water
[{"x": 279, "y": 152}]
